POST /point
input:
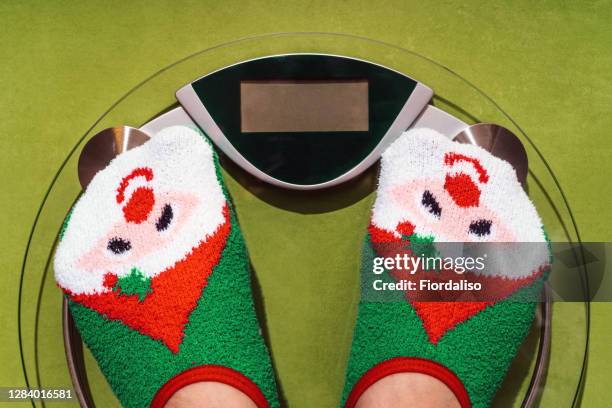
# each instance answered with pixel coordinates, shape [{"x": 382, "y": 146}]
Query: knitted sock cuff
[
  {"x": 399, "y": 365},
  {"x": 213, "y": 373}
]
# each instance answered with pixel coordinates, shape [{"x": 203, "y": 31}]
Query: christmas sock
[
  {"x": 433, "y": 190},
  {"x": 157, "y": 275}
]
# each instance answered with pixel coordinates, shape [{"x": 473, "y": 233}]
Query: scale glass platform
[{"x": 338, "y": 215}]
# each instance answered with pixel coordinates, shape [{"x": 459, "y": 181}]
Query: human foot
[
  {"x": 157, "y": 275},
  {"x": 432, "y": 190}
]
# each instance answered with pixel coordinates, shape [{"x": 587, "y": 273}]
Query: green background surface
[{"x": 64, "y": 63}]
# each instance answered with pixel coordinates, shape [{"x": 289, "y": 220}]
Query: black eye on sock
[
  {"x": 165, "y": 218},
  {"x": 118, "y": 245},
  {"x": 431, "y": 204},
  {"x": 480, "y": 227}
]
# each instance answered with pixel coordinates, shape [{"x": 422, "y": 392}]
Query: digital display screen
[{"x": 304, "y": 106}]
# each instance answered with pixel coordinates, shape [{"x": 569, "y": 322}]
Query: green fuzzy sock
[
  {"x": 432, "y": 190},
  {"x": 157, "y": 275}
]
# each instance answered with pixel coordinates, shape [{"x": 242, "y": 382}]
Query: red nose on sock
[
  {"x": 462, "y": 190},
  {"x": 139, "y": 206},
  {"x": 142, "y": 200},
  {"x": 145, "y": 172}
]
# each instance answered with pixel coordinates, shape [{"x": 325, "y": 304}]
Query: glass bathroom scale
[
  {"x": 304, "y": 121},
  {"x": 306, "y": 307}
]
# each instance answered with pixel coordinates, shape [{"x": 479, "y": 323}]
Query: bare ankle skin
[
  {"x": 209, "y": 395},
  {"x": 408, "y": 390}
]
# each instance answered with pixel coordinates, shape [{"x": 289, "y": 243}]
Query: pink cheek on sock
[
  {"x": 144, "y": 238},
  {"x": 454, "y": 221}
]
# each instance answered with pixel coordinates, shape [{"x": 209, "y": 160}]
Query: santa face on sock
[
  {"x": 147, "y": 210},
  {"x": 450, "y": 211},
  {"x": 434, "y": 190},
  {"x": 455, "y": 193}
]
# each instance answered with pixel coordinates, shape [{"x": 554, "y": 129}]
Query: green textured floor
[{"x": 64, "y": 63}]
